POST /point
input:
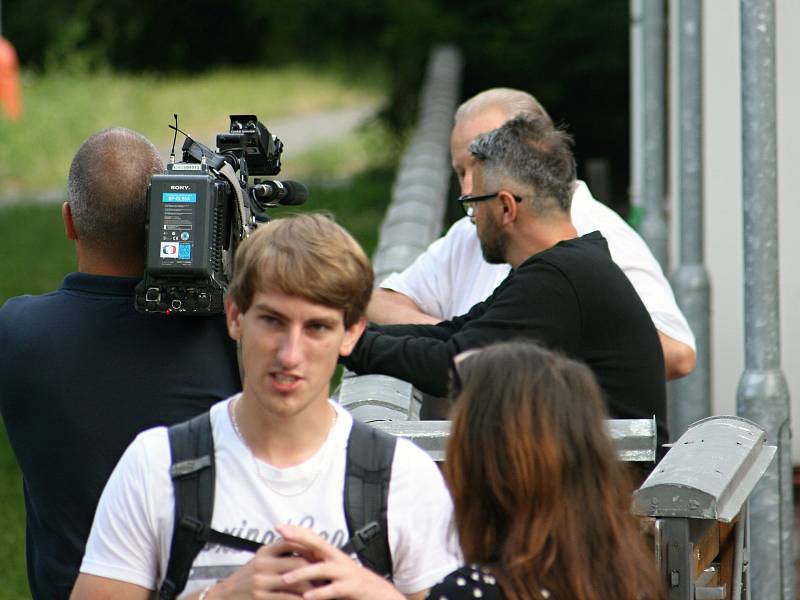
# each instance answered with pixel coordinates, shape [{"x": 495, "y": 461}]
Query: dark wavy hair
[
  {"x": 532, "y": 158},
  {"x": 540, "y": 497}
]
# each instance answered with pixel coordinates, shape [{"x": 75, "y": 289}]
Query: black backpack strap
[
  {"x": 192, "y": 471},
  {"x": 370, "y": 453}
]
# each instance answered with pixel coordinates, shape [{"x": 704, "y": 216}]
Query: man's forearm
[
  {"x": 423, "y": 361},
  {"x": 390, "y": 307}
]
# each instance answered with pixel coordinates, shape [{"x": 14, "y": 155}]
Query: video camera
[{"x": 201, "y": 208}]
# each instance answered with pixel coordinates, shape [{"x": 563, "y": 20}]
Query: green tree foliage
[{"x": 572, "y": 54}]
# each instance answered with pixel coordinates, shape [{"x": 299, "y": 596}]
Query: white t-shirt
[
  {"x": 132, "y": 529},
  {"x": 451, "y": 275}
]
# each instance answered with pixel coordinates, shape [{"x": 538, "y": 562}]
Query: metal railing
[
  {"x": 393, "y": 406},
  {"x": 415, "y": 216},
  {"x": 635, "y": 439},
  {"x": 699, "y": 495}
]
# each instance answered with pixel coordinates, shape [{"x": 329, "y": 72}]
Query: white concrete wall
[{"x": 723, "y": 195}]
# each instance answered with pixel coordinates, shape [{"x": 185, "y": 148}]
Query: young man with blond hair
[{"x": 295, "y": 305}]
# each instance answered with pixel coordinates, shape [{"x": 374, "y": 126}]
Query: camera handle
[{"x": 244, "y": 213}]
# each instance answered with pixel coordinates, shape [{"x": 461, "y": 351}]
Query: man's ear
[
  {"x": 233, "y": 318},
  {"x": 69, "y": 224},
  {"x": 351, "y": 336},
  {"x": 510, "y": 207}
]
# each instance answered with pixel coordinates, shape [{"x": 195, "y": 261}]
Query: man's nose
[
  {"x": 466, "y": 183},
  {"x": 290, "y": 352}
]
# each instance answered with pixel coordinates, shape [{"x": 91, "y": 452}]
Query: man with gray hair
[
  {"x": 451, "y": 275},
  {"x": 82, "y": 372},
  {"x": 564, "y": 291}
]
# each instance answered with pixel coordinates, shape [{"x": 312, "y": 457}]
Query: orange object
[{"x": 10, "y": 97}]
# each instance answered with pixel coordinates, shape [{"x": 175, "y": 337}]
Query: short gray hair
[
  {"x": 532, "y": 158},
  {"x": 513, "y": 102},
  {"x": 107, "y": 187}
]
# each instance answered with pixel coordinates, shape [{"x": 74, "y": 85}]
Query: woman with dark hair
[{"x": 541, "y": 501}]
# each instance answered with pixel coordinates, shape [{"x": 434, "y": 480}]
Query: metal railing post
[
  {"x": 690, "y": 397},
  {"x": 637, "y": 109},
  {"x": 763, "y": 395},
  {"x": 654, "y": 227}
]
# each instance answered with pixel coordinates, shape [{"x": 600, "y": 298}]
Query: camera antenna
[
  {"x": 177, "y": 131},
  {"x": 174, "y": 137}
]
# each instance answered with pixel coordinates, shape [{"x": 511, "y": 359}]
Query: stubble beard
[{"x": 493, "y": 242}]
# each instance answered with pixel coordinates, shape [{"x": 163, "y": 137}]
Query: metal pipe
[
  {"x": 763, "y": 395},
  {"x": 690, "y": 397},
  {"x": 636, "y": 111},
  {"x": 654, "y": 226}
]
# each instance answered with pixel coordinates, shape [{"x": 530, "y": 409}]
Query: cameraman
[{"x": 82, "y": 372}]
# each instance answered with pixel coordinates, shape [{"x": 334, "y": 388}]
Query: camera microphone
[{"x": 288, "y": 193}]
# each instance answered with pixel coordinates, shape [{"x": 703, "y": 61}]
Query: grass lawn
[
  {"x": 350, "y": 179},
  {"x": 62, "y": 110}
]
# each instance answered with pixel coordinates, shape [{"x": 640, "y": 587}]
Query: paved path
[
  {"x": 303, "y": 132},
  {"x": 298, "y": 134}
]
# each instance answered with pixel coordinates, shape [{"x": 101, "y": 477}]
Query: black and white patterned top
[{"x": 467, "y": 583}]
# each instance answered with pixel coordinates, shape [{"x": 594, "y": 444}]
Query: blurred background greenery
[
  {"x": 61, "y": 109},
  {"x": 572, "y": 54},
  {"x": 90, "y": 64}
]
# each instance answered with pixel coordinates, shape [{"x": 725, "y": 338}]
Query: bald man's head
[
  {"x": 107, "y": 186},
  {"x": 480, "y": 114}
]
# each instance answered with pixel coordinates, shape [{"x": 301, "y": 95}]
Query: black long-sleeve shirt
[{"x": 572, "y": 298}]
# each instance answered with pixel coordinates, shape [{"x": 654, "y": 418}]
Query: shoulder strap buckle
[
  {"x": 362, "y": 538},
  {"x": 196, "y": 526}
]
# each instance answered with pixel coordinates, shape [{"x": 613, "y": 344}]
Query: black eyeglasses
[{"x": 467, "y": 202}]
